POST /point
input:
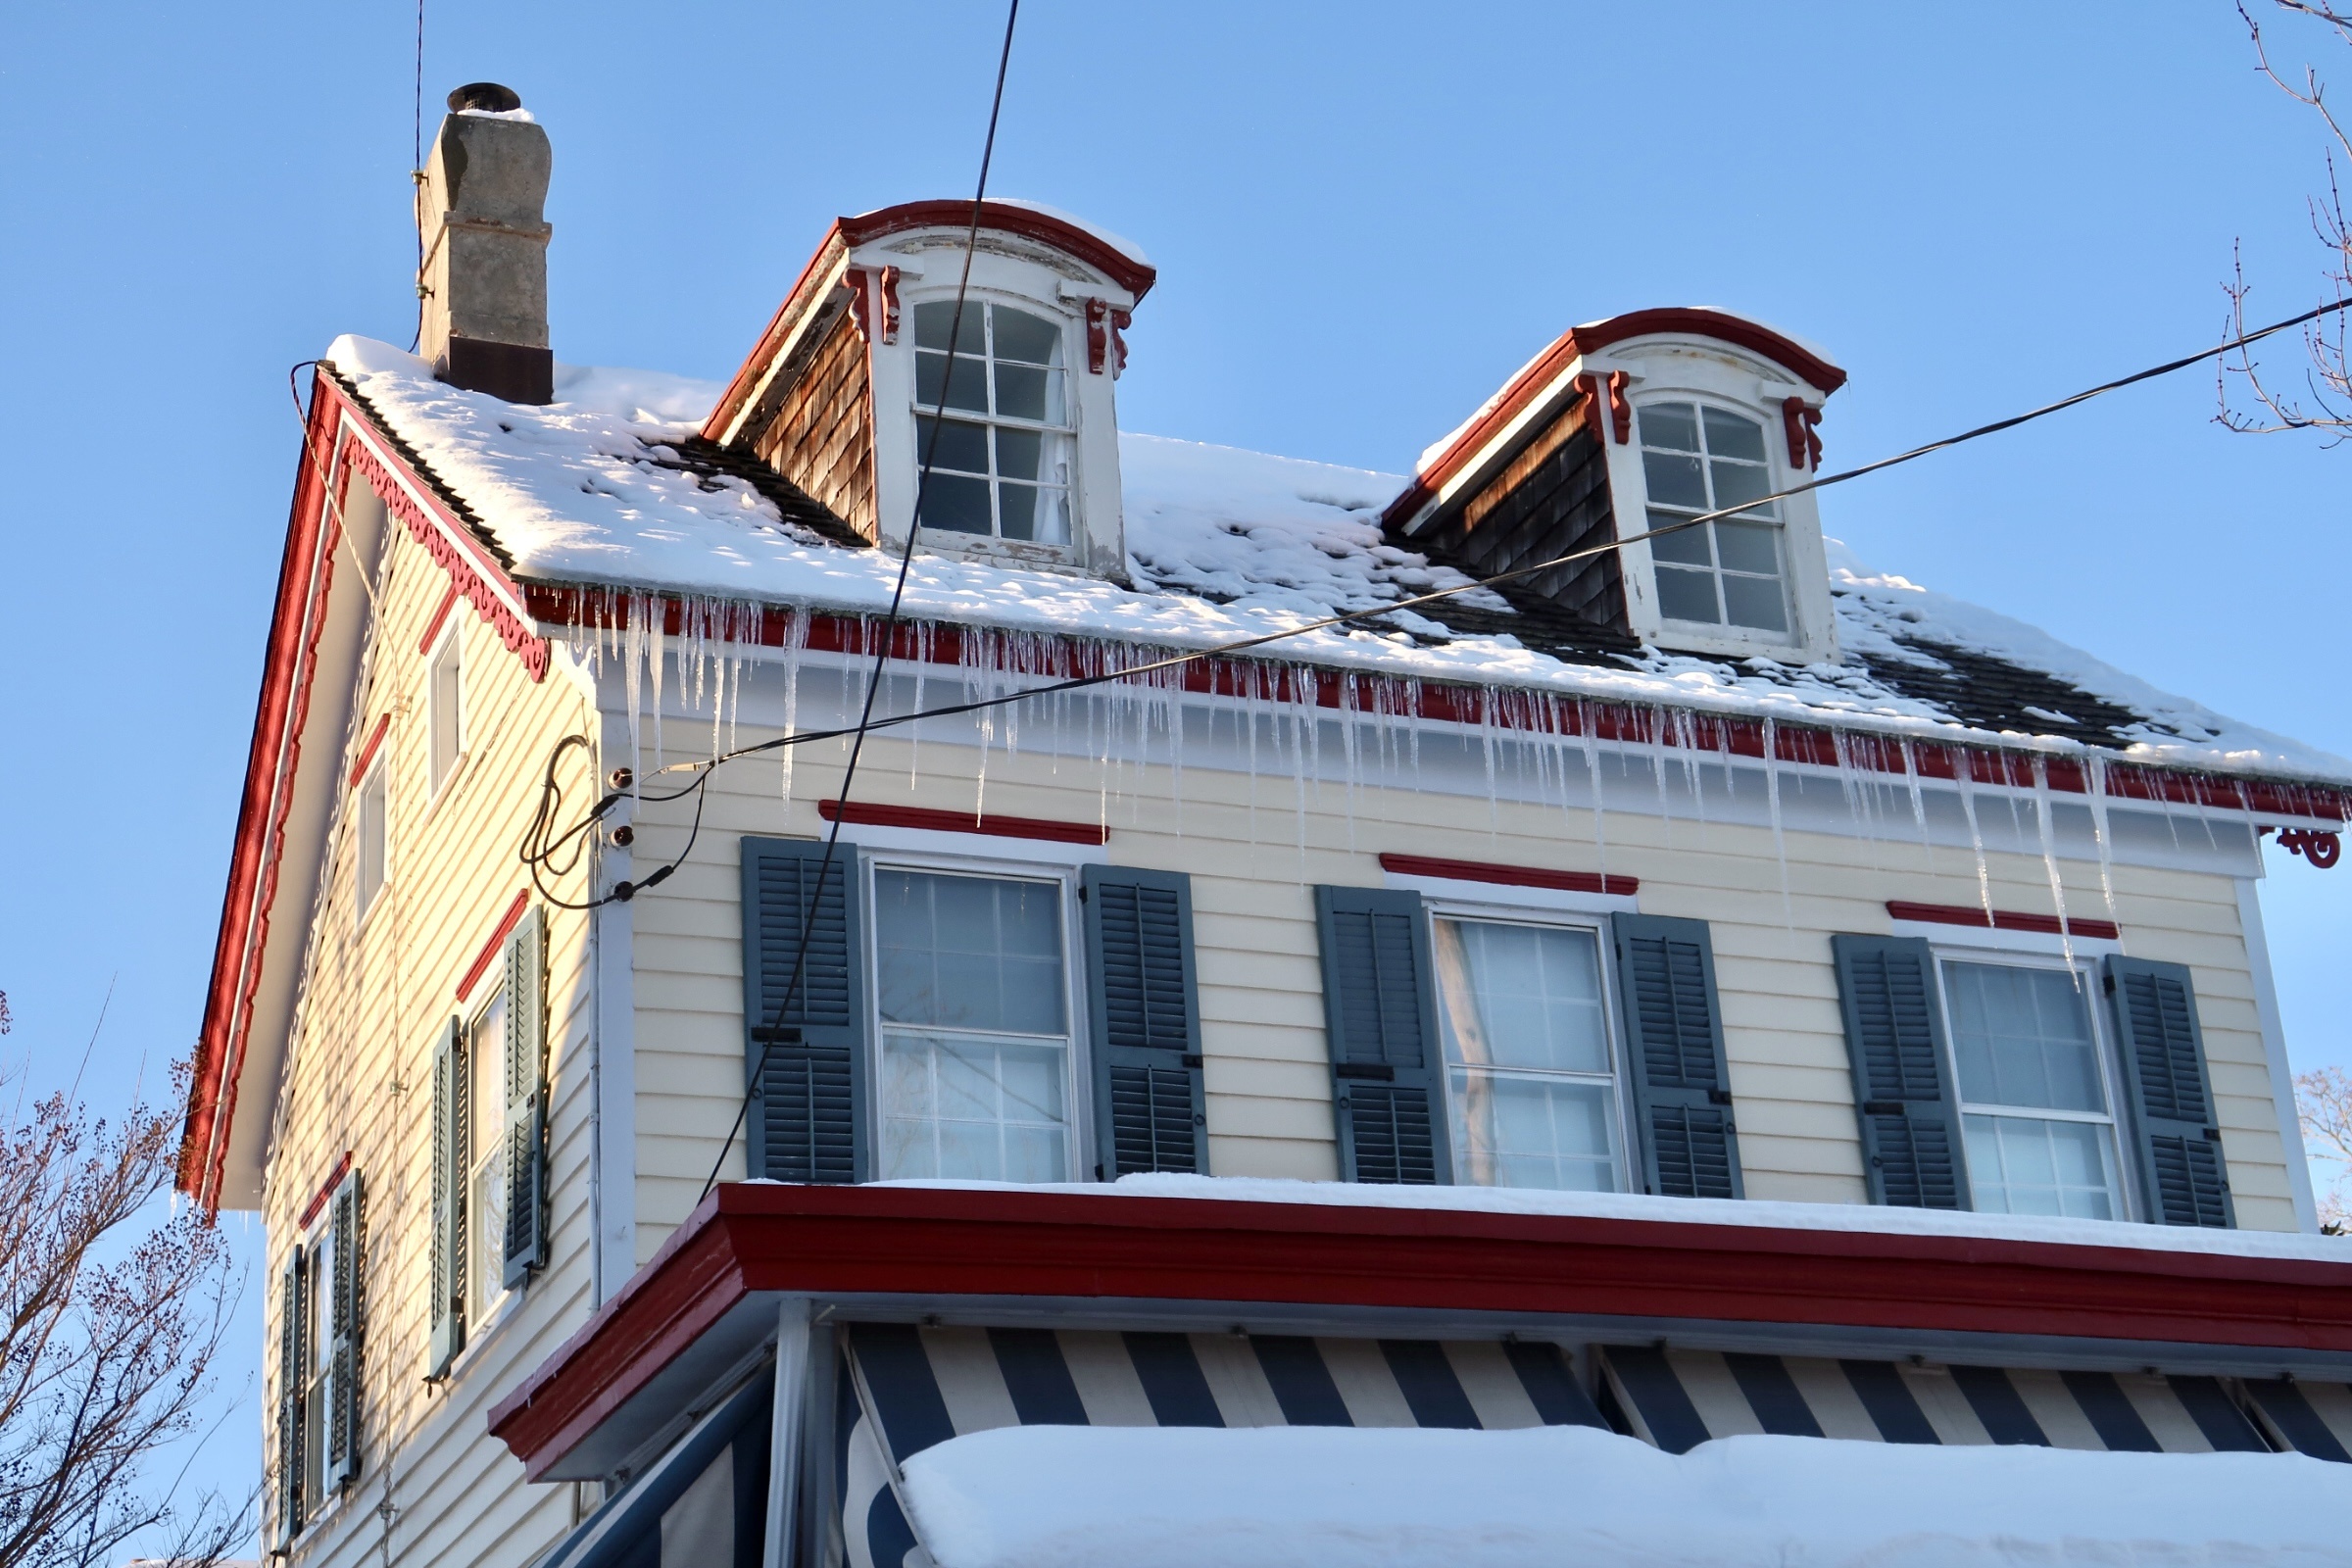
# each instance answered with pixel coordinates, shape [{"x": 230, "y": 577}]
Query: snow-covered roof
[
  {"x": 1227, "y": 544},
  {"x": 1043, "y": 1497}
]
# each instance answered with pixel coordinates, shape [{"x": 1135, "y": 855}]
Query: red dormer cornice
[{"x": 1545, "y": 371}]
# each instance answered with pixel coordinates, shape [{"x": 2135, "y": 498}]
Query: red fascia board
[
  {"x": 1516, "y": 876},
  {"x": 2003, "y": 919},
  {"x": 1514, "y": 710},
  {"x": 505, "y": 929},
  {"x": 941, "y": 1244},
  {"x": 326, "y": 1190},
  {"x": 202, "y": 1145},
  {"x": 1136, "y": 277},
  {"x": 432, "y": 627},
  {"x": 1579, "y": 341},
  {"x": 755, "y": 364},
  {"x": 375, "y": 739},
  {"x": 993, "y": 826}
]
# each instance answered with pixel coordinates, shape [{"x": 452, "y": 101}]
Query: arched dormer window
[
  {"x": 1698, "y": 458},
  {"x": 993, "y": 417}
]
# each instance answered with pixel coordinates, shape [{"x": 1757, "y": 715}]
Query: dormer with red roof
[
  {"x": 1633, "y": 427},
  {"x": 867, "y": 372}
]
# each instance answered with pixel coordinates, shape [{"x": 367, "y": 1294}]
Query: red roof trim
[
  {"x": 940, "y": 1244},
  {"x": 1516, "y": 876},
  {"x": 1135, "y": 277},
  {"x": 2003, "y": 919},
  {"x": 1574, "y": 344},
  {"x": 755, "y": 364},
  {"x": 375, "y": 738},
  {"x": 1003, "y": 828},
  {"x": 1510, "y": 711},
  {"x": 326, "y": 1190},
  {"x": 432, "y": 627},
  {"x": 506, "y": 928}
]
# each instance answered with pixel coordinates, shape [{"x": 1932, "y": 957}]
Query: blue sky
[{"x": 1365, "y": 216}]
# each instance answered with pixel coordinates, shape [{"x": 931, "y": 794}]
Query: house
[{"x": 1701, "y": 987}]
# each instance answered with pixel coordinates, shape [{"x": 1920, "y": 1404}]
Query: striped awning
[
  {"x": 1679, "y": 1399},
  {"x": 701, "y": 1504}
]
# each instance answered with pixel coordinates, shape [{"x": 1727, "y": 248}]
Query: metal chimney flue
[{"x": 482, "y": 214}]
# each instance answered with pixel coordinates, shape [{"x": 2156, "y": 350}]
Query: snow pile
[
  {"x": 1043, "y": 1497},
  {"x": 1853, "y": 1218},
  {"x": 1223, "y": 545}
]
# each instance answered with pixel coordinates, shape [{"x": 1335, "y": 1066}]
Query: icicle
[
  {"x": 1964, "y": 771},
  {"x": 1918, "y": 805},
  {"x": 656, "y": 629},
  {"x": 1592, "y": 744},
  {"x": 1486, "y": 741},
  {"x": 2042, "y": 808},
  {"x": 796, "y": 639},
  {"x": 1657, "y": 766},
  {"x": 632, "y": 653},
  {"x": 1772, "y": 806},
  {"x": 2094, "y": 778}
]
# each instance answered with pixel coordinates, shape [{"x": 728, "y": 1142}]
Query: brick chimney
[{"x": 485, "y": 279}]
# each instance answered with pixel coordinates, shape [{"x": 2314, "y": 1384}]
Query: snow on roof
[
  {"x": 1223, "y": 544},
  {"x": 1046, "y": 1496}
]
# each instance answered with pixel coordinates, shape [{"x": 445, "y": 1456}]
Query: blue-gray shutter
[
  {"x": 291, "y": 1376},
  {"x": 525, "y": 1247},
  {"x": 1675, "y": 1072},
  {"x": 1381, "y": 1014},
  {"x": 2179, "y": 1147},
  {"x": 348, "y": 1211},
  {"x": 808, "y": 1117},
  {"x": 446, "y": 1308},
  {"x": 1144, "y": 1015},
  {"x": 1912, "y": 1153}
]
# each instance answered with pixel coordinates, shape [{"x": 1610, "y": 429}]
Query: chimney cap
[{"x": 489, "y": 95}]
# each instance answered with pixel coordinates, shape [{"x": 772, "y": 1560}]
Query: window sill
[
  {"x": 1001, "y": 552},
  {"x": 449, "y": 786}
]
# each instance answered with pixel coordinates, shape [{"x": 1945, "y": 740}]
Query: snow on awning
[{"x": 1066, "y": 1497}]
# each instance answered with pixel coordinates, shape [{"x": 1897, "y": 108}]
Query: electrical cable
[{"x": 773, "y": 1031}]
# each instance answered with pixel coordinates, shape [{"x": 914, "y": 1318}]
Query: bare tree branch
[{"x": 2323, "y": 1105}]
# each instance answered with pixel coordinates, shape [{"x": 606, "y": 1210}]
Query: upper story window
[
  {"x": 973, "y": 995},
  {"x": 486, "y": 1196},
  {"x": 1697, "y": 459},
  {"x": 374, "y": 835},
  {"x": 994, "y": 418},
  {"x": 1530, "y": 1083},
  {"x": 2037, "y": 1108},
  {"x": 445, "y": 708},
  {"x": 319, "y": 1315}
]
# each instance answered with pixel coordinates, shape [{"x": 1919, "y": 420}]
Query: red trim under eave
[
  {"x": 1003, "y": 828},
  {"x": 375, "y": 738},
  {"x": 506, "y": 929},
  {"x": 2003, "y": 919},
  {"x": 1591, "y": 338},
  {"x": 937, "y": 1245},
  {"x": 1136, "y": 277},
  {"x": 326, "y": 1190},
  {"x": 1515, "y": 876}
]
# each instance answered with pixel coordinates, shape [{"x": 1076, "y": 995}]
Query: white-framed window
[
  {"x": 485, "y": 1165},
  {"x": 373, "y": 820},
  {"x": 1531, "y": 1081},
  {"x": 2037, "y": 1083},
  {"x": 1699, "y": 458},
  {"x": 445, "y": 706},
  {"x": 977, "y": 1067},
  {"x": 993, "y": 416},
  {"x": 318, "y": 1373}
]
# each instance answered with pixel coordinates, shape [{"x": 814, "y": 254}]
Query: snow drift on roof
[
  {"x": 1046, "y": 1496},
  {"x": 1223, "y": 544}
]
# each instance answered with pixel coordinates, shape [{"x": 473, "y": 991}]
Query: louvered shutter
[
  {"x": 1675, "y": 1072},
  {"x": 1145, "y": 1013},
  {"x": 526, "y": 1078},
  {"x": 2180, "y": 1149},
  {"x": 446, "y": 1308},
  {"x": 349, "y": 1212},
  {"x": 1381, "y": 1014},
  {"x": 290, "y": 1375},
  {"x": 1912, "y": 1151},
  {"x": 808, "y": 1115}
]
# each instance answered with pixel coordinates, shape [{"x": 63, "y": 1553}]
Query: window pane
[
  {"x": 933, "y": 318},
  {"x": 1022, "y": 393},
  {"x": 2023, "y": 1166},
  {"x": 486, "y": 1068},
  {"x": 961, "y": 445},
  {"x": 2023, "y": 1038},
  {"x": 955, "y": 504},
  {"x": 1053, "y": 523},
  {"x": 1669, "y": 424},
  {"x": 969, "y": 389},
  {"x": 980, "y": 1109},
  {"x": 486, "y": 1195},
  {"x": 969, "y": 952},
  {"x": 1535, "y": 1131},
  {"x": 1018, "y": 452},
  {"x": 1739, "y": 484},
  {"x": 1016, "y": 511},
  {"x": 1748, "y": 547},
  {"x": 1731, "y": 436},
  {"x": 1521, "y": 996},
  {"x": 448, "y": 735},
  {"x": 1025, "y": 337},
  {"x": 1674, "y": 480},
  {"x": 1754, "y": 602},
  {"x": 1685, "y": 546},
  {"x": 1687, "y": 595},
  {"x": 371, "y": 838}
]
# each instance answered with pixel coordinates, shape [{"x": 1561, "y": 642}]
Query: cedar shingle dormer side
[
  {"x": 1553, "y": 464},
  {"x": 829, "y": 396}
]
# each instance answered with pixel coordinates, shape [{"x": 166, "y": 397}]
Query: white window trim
[
  {"x": 494, "y": 1310},
  {"x": 317, "y": 1239},
  {"x": 2016, "y": 953},
  {"x": 439, "y": 789},
  {"x": 1565, "y": 916},
  {"x": 378, "y": 772},
  {"x": 1078, "y": 1067},
  {"x": 1776, "y": 478},
  {"x": 1993, "y": 939},
  {"x": 1509, "y": 896}
]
